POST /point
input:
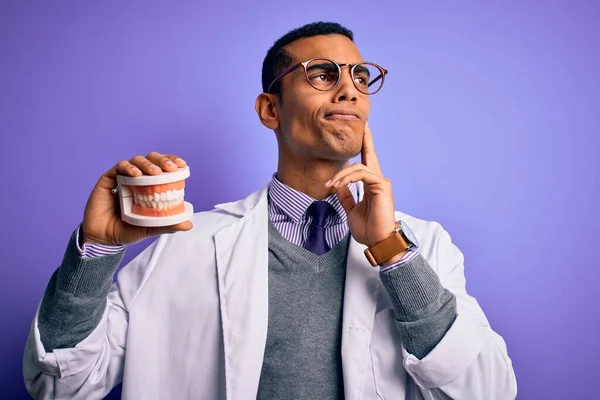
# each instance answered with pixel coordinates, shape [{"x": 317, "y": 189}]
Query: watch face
[{"x": 409, "y": 233}]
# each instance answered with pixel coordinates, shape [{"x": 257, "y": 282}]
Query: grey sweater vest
[{"x": 302, "y": 357}]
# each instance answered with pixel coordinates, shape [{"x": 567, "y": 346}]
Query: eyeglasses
[{"x": 324, "y": 74}]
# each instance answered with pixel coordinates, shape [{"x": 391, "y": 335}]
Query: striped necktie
[{"x": 316, "y": 242}]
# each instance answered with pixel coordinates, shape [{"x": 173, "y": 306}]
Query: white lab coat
[{"x": 187, "y": 319}]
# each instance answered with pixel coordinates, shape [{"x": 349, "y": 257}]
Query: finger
[
  {"x": 340, "y": 174},
  {"x": 368, "y": 154},
  {"x": 364, "y": 175},
  {"x": 346, "y": 199},
  {"x": 177, "y": 160},
  {"x": 123, "y": 168},
  {"x": 163, "y": 161},
  {"x": 147, "y": 166},
  {"x": 108, "y": 179}
]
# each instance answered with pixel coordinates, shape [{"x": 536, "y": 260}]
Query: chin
[
  {"x": 344, "y": 145},
  {"x": 340, "y": 142},
  {"x": 346, "y": 134}
]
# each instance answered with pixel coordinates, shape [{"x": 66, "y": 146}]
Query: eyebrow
[
  {"x": 325, "y": 66},
  {"x": 360, "y": 68},
  {"x": 332, "y": 67}
]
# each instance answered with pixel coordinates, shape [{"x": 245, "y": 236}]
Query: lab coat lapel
[
  {"x": 242, "y": 268},
  {"x": 360, "y": 301}
]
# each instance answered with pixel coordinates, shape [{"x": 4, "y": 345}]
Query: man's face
[{"x": 309, "y": 127}]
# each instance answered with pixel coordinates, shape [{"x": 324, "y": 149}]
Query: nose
[{"x": 346, "y": 89}]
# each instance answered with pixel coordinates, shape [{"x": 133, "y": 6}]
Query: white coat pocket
[{"x": 386, "y": 354}]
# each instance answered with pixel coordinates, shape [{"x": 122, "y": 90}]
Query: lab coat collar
[{"x": 242, "y": 207}]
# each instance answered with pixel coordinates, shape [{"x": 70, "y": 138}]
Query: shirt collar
[{"x": 294, "y": 203}]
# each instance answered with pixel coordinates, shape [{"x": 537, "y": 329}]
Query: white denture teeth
[
  {"x": 160, "y": 201},
  {"x": 154, "y": 201}
]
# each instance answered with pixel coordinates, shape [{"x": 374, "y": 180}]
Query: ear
[{"x": 267, "y": 109}]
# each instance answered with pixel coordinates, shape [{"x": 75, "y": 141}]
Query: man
[{"x": 272, "y": 296}]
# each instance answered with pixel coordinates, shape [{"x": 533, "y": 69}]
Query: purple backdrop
[{"x": 499, "y": 104}]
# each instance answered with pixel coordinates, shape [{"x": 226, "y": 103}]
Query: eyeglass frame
[{"x": 351, "y": 70}]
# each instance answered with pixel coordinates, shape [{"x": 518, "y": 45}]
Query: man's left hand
[{"x": 373, "y": 218}]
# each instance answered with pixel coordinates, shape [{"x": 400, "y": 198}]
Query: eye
[
  {"x": 361, "y": 80},
  {"x": 322, "y": 77}
]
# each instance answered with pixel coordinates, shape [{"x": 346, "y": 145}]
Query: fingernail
[
  {"x": 179, "y": 160},
  {"x": 135, "y": 170},
  {"x": 336, "y": 183},
  {"x": 154, "y": 168},
  {"x": 328, "y": 182},
  {"x": 171, "y": 163}
]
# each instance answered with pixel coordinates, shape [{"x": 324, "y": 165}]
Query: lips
[{"x": 342, "y": 114}]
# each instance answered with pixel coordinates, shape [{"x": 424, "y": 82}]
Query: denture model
[{"x": 154, "y": 200}]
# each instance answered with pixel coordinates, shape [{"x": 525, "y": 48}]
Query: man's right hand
[{"x": 102, "y": 221}]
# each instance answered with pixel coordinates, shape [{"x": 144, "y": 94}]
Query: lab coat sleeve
[
  {"x": 91, "y": 368},
  {"x": 471, "y": 360}
]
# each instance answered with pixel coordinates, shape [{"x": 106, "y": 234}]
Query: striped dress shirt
[{"x": 287, "y": 212}]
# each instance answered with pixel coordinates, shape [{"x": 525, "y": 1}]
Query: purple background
[{"x": 489, "y": 124}]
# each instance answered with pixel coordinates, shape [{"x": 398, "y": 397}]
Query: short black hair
[{"x": 278, "y": 59}]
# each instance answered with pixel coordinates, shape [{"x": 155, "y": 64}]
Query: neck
[{"x": 309, "y": 177}]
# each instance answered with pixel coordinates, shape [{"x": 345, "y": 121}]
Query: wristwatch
[{"x": 401, "y": 239}]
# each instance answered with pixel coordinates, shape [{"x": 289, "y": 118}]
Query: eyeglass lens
[{"x": 323, "y": 75}]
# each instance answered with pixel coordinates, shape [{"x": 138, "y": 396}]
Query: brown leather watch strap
[{"x": 386, "y": 249}]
